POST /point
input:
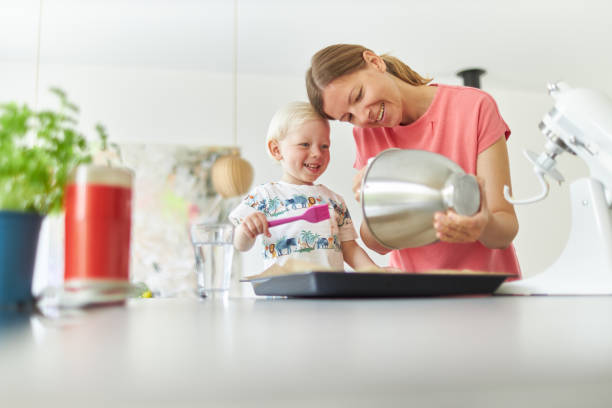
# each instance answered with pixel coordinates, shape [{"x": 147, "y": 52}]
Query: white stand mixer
[{"x": 580, "y": 123}]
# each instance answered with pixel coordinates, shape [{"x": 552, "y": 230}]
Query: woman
[{"x": 390, "y": 105}]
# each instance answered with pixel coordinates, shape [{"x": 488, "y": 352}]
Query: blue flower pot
[{"x": 18, "y": 241}]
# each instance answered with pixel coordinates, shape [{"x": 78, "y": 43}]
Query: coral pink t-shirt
[{"x": 460, "y": 123}]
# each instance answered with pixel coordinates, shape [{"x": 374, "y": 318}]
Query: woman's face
[{"x": 366, "y": 98}]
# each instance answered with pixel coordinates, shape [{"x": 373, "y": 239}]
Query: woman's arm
[
  {"x": 495, "y": 225},
  {"x": 493, "y": 167},
  {"x": 371, "y": 242}
]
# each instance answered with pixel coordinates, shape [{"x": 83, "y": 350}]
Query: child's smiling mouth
[{"x": 312, "y": 167}]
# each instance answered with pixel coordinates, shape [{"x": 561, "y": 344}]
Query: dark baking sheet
[{"x": 347, "y": 284}]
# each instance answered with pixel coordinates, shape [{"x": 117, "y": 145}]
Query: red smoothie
[{"x": 98, "y": 222}]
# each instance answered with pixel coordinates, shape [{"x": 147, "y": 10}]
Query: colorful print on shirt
[
  {"x": 306, "y": 241},
  {"x": 319, "y": 242}
]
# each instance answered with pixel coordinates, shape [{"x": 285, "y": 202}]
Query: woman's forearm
[
  {"x": 494, "y": 170},
  {"x": 500, "y": 230},
  {"x": 371, "y": 242}
]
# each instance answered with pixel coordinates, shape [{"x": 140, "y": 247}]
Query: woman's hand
[
  {"x": 452, "y": 227},
  {"x": 357, "y": 183}
]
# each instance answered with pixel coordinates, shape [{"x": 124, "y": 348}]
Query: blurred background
[{"x": 165, "y": 72}]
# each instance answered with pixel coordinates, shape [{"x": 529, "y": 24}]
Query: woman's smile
[{"x": 381, "y": 112}]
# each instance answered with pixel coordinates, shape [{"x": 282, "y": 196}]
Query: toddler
[{"x": 298, "y": 138}]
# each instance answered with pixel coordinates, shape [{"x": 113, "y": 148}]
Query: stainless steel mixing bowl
[{"x": 402, "y": 189}]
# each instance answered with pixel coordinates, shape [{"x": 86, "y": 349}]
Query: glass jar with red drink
[{"x": 98, "y": 204}]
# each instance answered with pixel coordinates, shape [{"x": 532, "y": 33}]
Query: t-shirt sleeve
[
  {"x": 491, "y": 126},
  {"x": 346, "y": 228},
  {"x": 254, "y": 201}
]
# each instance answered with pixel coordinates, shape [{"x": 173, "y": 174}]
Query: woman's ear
[
  {"x": 274, "y": 149},
  {"x": 374, "y": 60}
]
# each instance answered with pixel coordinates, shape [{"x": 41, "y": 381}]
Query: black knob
[{"x": 471, "y": 77}]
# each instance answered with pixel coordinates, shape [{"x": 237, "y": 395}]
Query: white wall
[{"x": 191, "y": 102}]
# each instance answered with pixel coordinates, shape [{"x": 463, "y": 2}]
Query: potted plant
[{"x": 38, "y": 149}]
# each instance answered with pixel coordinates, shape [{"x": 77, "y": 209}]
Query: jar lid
[{"x": 96, "y": 174}]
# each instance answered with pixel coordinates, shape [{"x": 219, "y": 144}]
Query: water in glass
[{"x": 214, "y": 252}]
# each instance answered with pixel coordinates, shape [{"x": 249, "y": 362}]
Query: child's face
[{"x": 304, "y": 152}]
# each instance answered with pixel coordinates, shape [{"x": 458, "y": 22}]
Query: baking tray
[{"x": 347, "y": 284}]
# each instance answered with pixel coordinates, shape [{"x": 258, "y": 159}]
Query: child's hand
[{"x": 255, "y": 224}]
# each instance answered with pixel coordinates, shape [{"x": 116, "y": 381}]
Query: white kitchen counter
[{"x": 463, "y": 351}]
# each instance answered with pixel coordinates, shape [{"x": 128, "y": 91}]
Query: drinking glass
[{"x": 214, "y": 251}]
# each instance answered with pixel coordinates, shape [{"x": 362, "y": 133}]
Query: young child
[{"x": 298, "y": 138}]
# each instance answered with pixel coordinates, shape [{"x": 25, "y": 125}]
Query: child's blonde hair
[{"x": 288, "y": 118}]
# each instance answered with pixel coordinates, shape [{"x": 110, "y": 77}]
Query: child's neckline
[{"x": 296, "y": 185}]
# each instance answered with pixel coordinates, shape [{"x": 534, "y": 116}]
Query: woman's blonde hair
[
  {"x": 337, "y": 60},
  {"x": 288, "y": 118}
]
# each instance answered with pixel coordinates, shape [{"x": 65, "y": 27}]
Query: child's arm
[
  {"x": 356, "y": 257},
  {"x": 246, "y": 233}
]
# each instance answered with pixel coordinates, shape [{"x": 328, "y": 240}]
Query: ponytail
[{"x": 397, "y": 68}]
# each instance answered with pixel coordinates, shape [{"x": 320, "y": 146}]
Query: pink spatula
[{"x": 315, "y": 213}]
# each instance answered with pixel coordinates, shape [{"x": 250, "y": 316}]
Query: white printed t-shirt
[{"x": 319, "y": 242}]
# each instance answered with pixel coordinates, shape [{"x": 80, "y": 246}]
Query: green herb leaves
[{"x": 37, "y": 152}]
